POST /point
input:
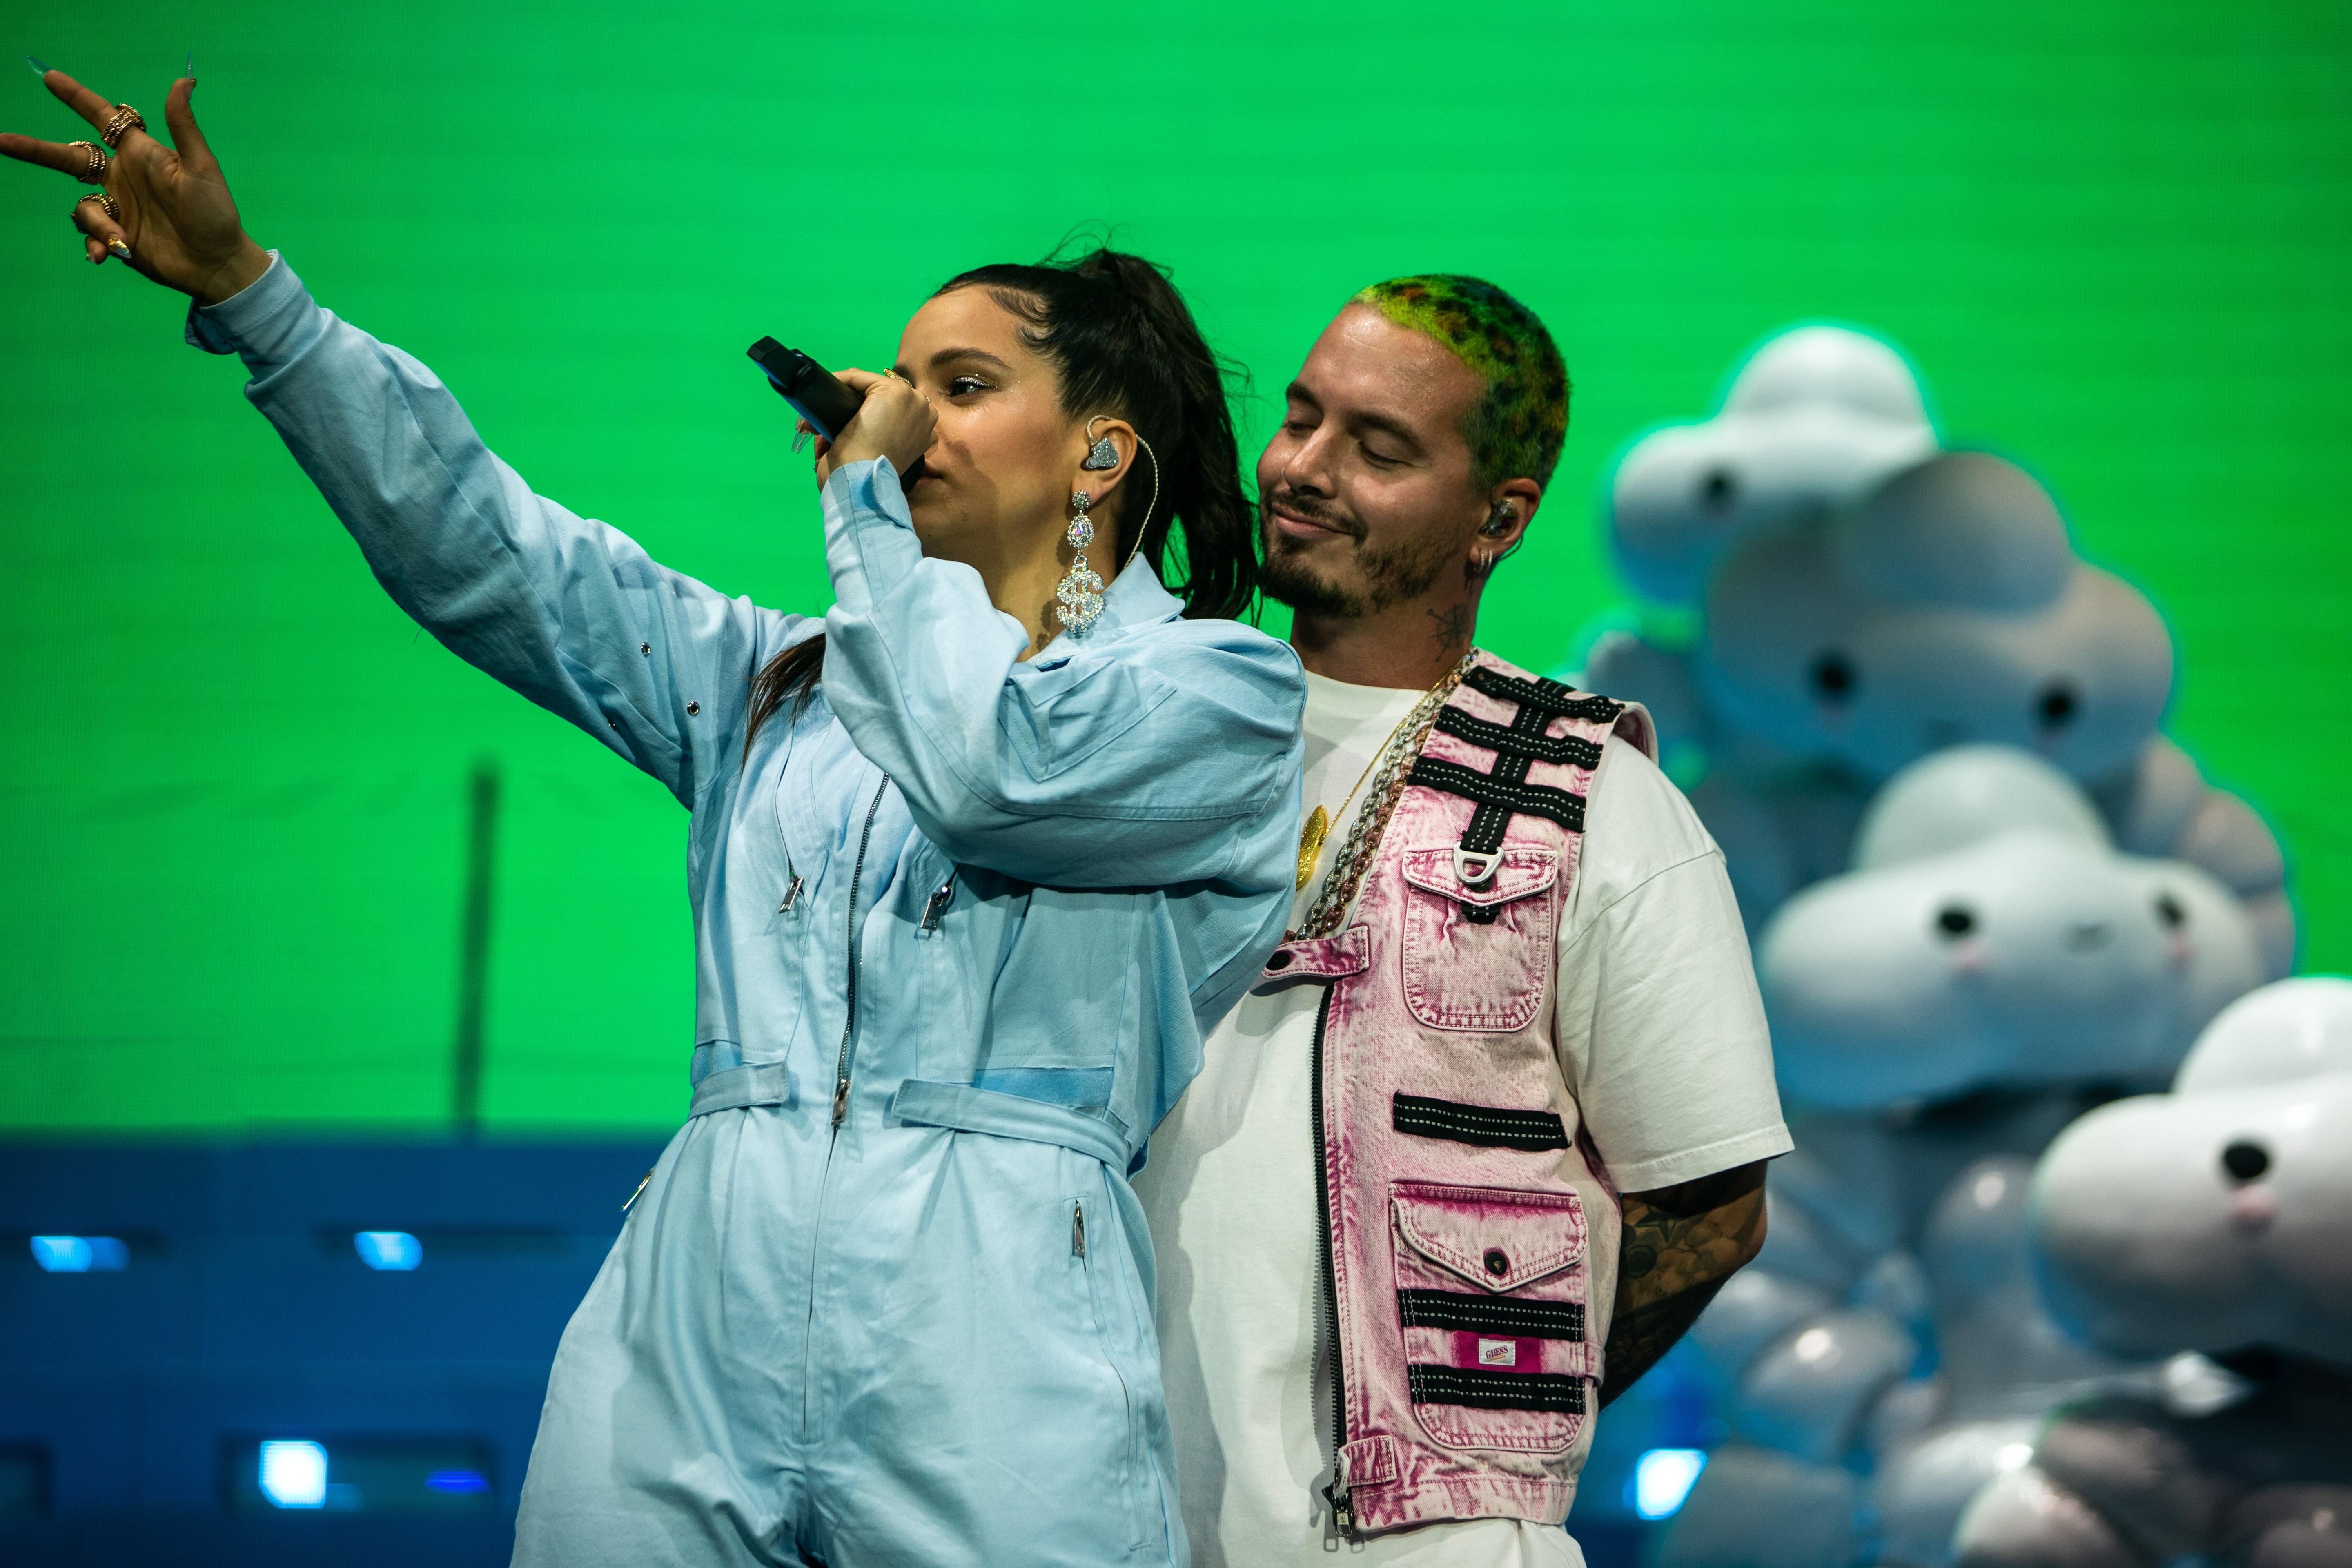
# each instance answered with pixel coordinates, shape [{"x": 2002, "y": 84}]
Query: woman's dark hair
[{"x": 1121, "y": 342}]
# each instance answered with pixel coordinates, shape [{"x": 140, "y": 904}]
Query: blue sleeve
[
  {"x": 566, "y": 610},
  {"x": 1165, "y": 755}
]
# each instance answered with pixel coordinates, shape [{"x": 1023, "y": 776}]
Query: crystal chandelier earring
[{"x": 1081, "y": 590}]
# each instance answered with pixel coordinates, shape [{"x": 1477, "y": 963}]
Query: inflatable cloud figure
[
  {"x": 1990, "y": 935},
  {"x": 1946, "y": 605},
  {"x": 2219, "y": 1215},
  {"x": 2214, "y": 1219},
  {"x": 2004, "y": 1362},
  {"x": 1753, "y": 1507},
  {"x": 1869, "y": 599},
  {"x": 1812, "y": 420}
]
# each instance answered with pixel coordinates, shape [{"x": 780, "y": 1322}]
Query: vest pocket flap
[
  {"x": 1320, "y": 958},
  {"x": 1497, "y": 1240},
  {"x": 1520, "y": 870}
]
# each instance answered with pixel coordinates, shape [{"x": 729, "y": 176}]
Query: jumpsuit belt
[
  {"x": 732, "y": 1088},
  {"x": 969, "y": 1110},
  {"x": 917, "y": 1103}
]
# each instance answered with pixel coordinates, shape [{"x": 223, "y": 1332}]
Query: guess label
[{"x": 1500, "y": 1353}]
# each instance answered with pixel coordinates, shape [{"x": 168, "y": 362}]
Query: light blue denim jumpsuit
[{"x": 960, "y": 927}]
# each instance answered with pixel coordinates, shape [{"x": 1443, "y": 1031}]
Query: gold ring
[
  {"x": 96, "y": 171},
  {"x": 106, "y": 203},
  {"x": 124, "y": 122}
]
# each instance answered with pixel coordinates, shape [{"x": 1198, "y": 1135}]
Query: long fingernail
[
  {"x": 191, "y": 72},
  {"x": 118, "y": 248},
  {"x": 38, "y": 68}
]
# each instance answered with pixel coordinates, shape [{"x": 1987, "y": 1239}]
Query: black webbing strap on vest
[
  {"x": 1483, "y": 1389},
  {"x": 1504, "y": 791},
  {"x": 1486, "y": 1126}
]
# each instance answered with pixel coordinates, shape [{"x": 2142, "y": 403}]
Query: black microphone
[{"x": 815, "y": 393}]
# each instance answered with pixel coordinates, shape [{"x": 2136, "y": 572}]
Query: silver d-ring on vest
[{"x": 1472, "y": 870}]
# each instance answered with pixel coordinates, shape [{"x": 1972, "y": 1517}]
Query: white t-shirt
[{"x": 1662, "y": 1039}]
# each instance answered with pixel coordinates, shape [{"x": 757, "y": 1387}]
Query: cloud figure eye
[
  {"x": 2057, "y": 705},
  {"x": 1955, "y": 920},
  {"x": 2170, "y": 913},
  {"x": 2245, "y": 1159},
  {"x": 1719, "y": 492},
  {"x": 1832, "y": 677}
]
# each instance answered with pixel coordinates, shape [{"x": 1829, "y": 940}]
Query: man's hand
[
  {"x": 1679, "y": 1244},
  {"x": 894, "y": 422},
  {"x": 173, "y": 219}
]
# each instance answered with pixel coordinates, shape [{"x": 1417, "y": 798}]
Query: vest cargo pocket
[
  {"x": 1478, "y": 957},
  {"x": 1491, "y": 1308}
]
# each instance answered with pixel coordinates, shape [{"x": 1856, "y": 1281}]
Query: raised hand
[
  {"x": 894, "y": 422},
  {"x": 166, "y": 213}
]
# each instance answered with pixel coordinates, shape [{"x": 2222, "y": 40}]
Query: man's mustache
[{"x": 1315, "y": 512}]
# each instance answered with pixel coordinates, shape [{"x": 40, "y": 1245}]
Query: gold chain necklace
[
  {"x": 1405, "y": 741},
  {"x": 1317, "y": 826}
]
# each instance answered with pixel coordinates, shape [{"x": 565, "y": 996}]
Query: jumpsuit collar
[{"x": 1135, "y": 598}]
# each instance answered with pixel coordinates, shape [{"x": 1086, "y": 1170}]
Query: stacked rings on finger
[
  {"x": 96, "y": 169},
  {"x": 105, "y": 203},
  {"x": 124, "y": 122}
]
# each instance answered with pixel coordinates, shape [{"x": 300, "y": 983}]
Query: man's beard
[{"x": 1391, "y": 575}]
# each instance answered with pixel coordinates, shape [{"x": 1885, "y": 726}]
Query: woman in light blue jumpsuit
[{"x": 962, "y": 917}]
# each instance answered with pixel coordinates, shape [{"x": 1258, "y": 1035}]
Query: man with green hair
[{"x": 1491, "y": 1129}]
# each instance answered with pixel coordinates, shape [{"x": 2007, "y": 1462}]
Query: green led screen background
[{"x": 2114, "y": 237}]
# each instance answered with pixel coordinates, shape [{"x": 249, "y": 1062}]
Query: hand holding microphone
[
  {"x": 895, "y": 421},
  {"x": 846, "y": 408}
]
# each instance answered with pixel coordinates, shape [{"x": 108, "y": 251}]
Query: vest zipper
[
  {"x": 1343, "y": 1509},
  {"x": 849, "y": 1024}
]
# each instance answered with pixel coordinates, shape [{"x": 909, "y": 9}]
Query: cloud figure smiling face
[
  {"x": 2220, "y": 1214},
  {"x": 2029, "y": 959},
  {"x": 1946, "y": 607},
  {"x": 1989, "y": 935},
  {"x": 1815, "y": 418}
]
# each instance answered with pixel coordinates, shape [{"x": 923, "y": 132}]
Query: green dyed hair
[{"x": 1516, "y": 429}]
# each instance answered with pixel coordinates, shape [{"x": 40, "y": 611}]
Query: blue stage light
[
  {"x": 294, "y": 1474},
  {"x": 80, "y": 1254},
  {"x": 458, "y": 1481},
  {"x": 1663, "y": 1478},
  {"x": 388, "y": 1248}
]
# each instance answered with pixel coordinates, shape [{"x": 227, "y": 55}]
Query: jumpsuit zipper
[
  {"x": 840, "y": 1113},
  {"x": 1343, "y": 1510},
  {"x": 849, "y": 1023}
]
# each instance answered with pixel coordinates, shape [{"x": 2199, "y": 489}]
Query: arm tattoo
[
  {"x": 1452, "y": 626},
  {"x": 1677, "y": 1246}
]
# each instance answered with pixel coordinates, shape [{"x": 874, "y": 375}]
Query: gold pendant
[{"x": 1310, "y": 844}]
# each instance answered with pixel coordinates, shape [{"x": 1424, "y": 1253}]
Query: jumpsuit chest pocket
[
  {"x": 1491, "y": 1299},
  {"x": 1479, "y": 957}
]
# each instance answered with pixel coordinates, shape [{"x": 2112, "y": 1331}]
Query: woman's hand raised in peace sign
[{"x": 172, "y": 218}]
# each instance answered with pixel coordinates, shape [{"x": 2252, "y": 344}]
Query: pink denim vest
[{"x": 1470, "y": 1232}]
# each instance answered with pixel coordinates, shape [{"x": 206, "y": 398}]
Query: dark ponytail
[{"x": 1121, "y": 340}]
